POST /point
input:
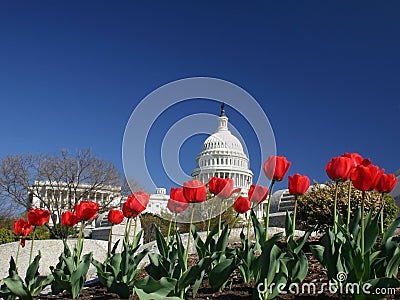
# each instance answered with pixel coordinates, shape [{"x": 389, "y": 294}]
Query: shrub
[
  {"x": 316, "y": 207},
  {"x": 148, "y": 222},
  {"x": 7, "y": 236},
  {"x": 41, "y": 233}
]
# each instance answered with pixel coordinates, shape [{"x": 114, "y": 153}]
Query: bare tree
[
  {"x": 129, "y": 186},
  {"x": 69, "y": 178}
]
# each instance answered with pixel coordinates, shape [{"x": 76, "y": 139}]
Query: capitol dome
[{"x": 222, "y": 155}]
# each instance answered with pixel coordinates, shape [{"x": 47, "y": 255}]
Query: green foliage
[
  {"x": 274, "y": 266},
  {"x": 342, "y": 253},
  {"x": 149, "y": 288},
  {"x": 149, "y": 221},
  {"x": 221, "y": 258},
  {"x": 41, "y": 233},
  {"x": 316, "y": 207},
  {"x": 170, "y": 266},
  {"x": 14, "y": 286},
  {"x": 117, "y": 273},
  {"x": 62, "y": 232},
  {"x": 7, "y": 236},
  {"x": 71, "y": 270},
  {"x": 293, "y": 256}
]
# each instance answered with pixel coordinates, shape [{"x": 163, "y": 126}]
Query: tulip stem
[
  {"x": 234, "y": 223},
  {"x": 294, "y": 215},
  {"x": 348, "y": 205},
  {"x": 383, "y": 208},
  {"x": 175, "y": 221},
  {"x": 129, "y": 230},
  {"x": 126, "y": 236},
  {"x": 334, "y": 209},
  {"x": 109, "y": 240},
  {"x": 209, "y": 219},
  {"x": 266, "y": 220},
  {"x": 248, "y": 224},
  {"x": 33, "y": 238},
  {"x": 16, "y": 257},
  {"x": 362, "y": 224},
  {"x": 79, "y": 244},
  {"x": 220, "y": 220},
  {"x": 188, "y": 242},
  {"x": 169, "y": 227},
  {"x": 134, "y": 228}
]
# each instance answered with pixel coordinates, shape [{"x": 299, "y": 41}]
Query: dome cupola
[{"x": 222, "y": 155}]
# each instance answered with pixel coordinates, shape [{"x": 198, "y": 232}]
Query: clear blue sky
[{"x": 326, "y": 73}]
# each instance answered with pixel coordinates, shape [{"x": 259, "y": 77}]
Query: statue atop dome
[{"x": 222, "y": 110}]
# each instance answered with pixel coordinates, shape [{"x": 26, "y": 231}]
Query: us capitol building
[{"x": 222, "y": 156}]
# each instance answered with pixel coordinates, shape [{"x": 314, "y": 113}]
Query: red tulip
[
  {"x": 338, "y": 169},
  {"x": 365, "y": 176},
  {"x": 22, "y": 228},
  {"x": 177, "y": 202},
  {"x": 298, "y": 184},
  {"x": 221, "y": 187},
  {"x": 276, "y": 167},
  {"x": 135, "y": 204},
  {"x": 194, "y": 191},
  {"x": 23, "y": 242},
  {"x": 258, "y": 193},
  {"x": 142, "y": 197},
  {"x": 115, "y": 216},
  {"x": 241, "y": 205},
  {"x": 86, "y": 210},
  {"x": 356, "y": 159},
  {"x": 386, "y": 183},
  {"x": 38, "y": 217},
  {"x": 68, "y": 218}
]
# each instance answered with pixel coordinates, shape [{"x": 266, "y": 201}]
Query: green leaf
[
  {"x": 13, "y": 268},
  {"x": 199, "y": 244},
  {"x": 288, "y": 225},
  {"x": 155, "y": 268},
  {"x": 78, "y": 277},
  {"x": 114, "y": 249},
  {"x": 120, "y": 288},
  {"x": 318, "y": 252},
  {"x": 16, "y": 285},
  {"x": 220, "y": 273},
  {"x": 150, "y": 289},
  {"x": 45, "y": 282},
  {"x": 223, "y": 239},
  {"x": 393, "y": 265},
  {"x": 371, "y": 230},
  {"x": 390, "y": 230},
  {"x": 354, "y": 224},
  {"x": 383, "y": 283},
  {"x": 136, "y": 240},
  {"x": 258, "y": 229},
  {"x": 303, "y": 240},
  {"x": 161, "y": 243},
  {"x": 32, "y": 271}
]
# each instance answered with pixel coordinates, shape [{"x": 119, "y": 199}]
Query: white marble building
[
  {"x": 58, "y": 195},
  {"x": 158, "y": 202}
]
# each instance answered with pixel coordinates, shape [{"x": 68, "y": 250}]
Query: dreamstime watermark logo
[
  {"x": 337, "y": 286},
  {"x": 172, "y": 97}
]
